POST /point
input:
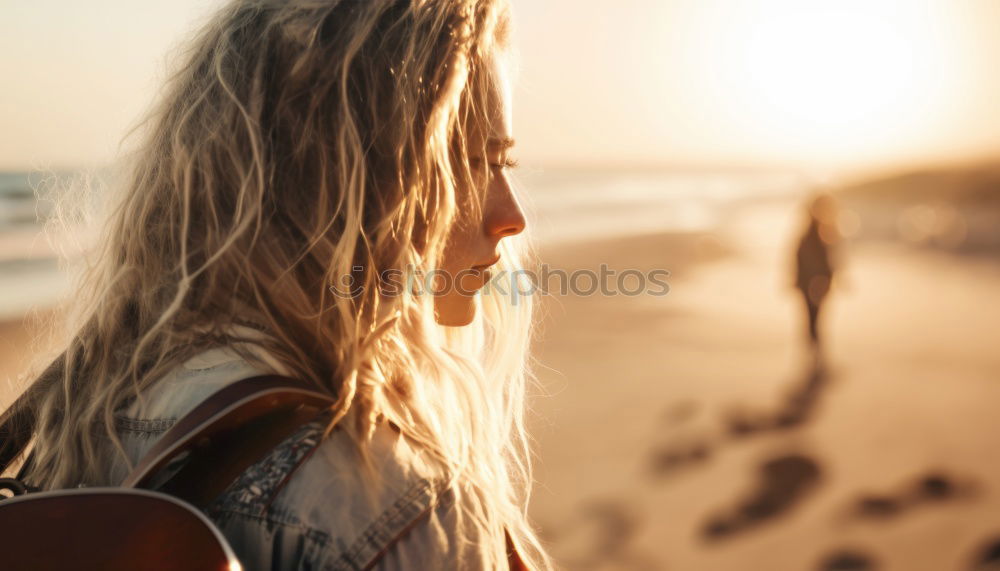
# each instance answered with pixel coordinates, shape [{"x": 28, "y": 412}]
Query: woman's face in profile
[{"x": 473, "y": 243}]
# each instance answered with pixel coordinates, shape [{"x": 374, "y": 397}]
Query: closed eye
[{"x": 507, "y": 163}]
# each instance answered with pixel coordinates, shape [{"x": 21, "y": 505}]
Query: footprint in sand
[
  {"x": 783, "y": 483},
  {"x": 988, "y": 557},
  {"x": 797, "y": 409},
  {"x": 601, "y": 536},
  {"x": 848, "y": 560},
  {"x": 932, "y": 487},
  {"x": 669, "y": 460}
]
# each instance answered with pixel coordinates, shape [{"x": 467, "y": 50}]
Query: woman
[{"x": 307, "y": 162}]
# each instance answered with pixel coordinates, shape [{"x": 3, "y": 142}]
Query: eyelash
[{"x": 508, "y": 163}]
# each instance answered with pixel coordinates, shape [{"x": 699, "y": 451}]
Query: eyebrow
[{"x": 504, "y": 143}]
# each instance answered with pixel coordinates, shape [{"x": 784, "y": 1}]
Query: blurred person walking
[{"x": 814, "y": 262}]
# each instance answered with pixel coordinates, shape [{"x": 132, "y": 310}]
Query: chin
[{"x": 456, "y": 311}]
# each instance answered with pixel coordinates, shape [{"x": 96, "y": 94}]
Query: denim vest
[{"x": 304, "y": 506}]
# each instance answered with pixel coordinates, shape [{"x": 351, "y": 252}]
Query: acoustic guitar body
[{"x": 113, "y": 529}]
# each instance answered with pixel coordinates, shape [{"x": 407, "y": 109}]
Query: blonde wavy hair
[{"x": 298, "y": 141}]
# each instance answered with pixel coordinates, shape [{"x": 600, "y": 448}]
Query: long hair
[{"x": 301, "y": 143}]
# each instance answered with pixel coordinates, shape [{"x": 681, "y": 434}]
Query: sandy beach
[
  {"x": 692, "y": 432},
  {"x": 18, "y": 344}
]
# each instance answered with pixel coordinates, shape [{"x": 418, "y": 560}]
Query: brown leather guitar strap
[{"x": 207, "y": 449}]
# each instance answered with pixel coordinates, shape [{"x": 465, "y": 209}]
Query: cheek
[
  {"x": 458, "y": 250},
  {"x": 464, "y": 240}
]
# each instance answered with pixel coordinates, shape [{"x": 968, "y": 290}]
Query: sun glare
[{"x": 837, "y": 79}]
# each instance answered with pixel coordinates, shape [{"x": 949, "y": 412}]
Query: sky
[{"x": 836, "y": 85}]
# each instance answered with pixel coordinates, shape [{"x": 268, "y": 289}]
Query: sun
[{"x": 835, "y": 78}]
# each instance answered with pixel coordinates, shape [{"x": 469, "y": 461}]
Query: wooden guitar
[{"x": 160, "y": 528}]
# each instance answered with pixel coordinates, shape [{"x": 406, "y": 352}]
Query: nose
[{"x": 504, "y": 216}]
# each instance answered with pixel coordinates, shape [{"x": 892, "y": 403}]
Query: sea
[{"x": 564, "y": 204}]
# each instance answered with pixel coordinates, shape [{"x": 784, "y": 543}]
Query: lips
[{"x": 486, "y": 266}]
